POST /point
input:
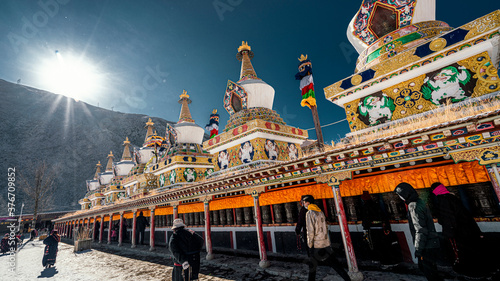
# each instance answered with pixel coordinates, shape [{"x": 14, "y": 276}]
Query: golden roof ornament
[
  {"x": 184, "y": 94},
  {"x": 214, "y": 111},
  {"x": 302, "y": 57},
  {"x": 111, "y": 154},
  {"x": 126, "y": 141},
  {"x": 244, "y": 47},
  {"x": 149, "y": 123}
]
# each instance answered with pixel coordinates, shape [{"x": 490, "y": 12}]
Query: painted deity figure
[
  {"x": 246, "y": 152},
  {"x": 172, "y": 177},
  {"x": 377, "y": 108},
  {"x": 292, "y": 151},
  {"x": 223, "y": 159},
  {"x": 445, "y": 85},
  {"x": 271, "y": 150},
  {"x": 190, "y": 175}
]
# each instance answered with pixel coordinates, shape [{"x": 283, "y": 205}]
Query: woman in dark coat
[
  {"x": 185, "y": 246},
  {"x": 50, "y": 253},
  {"x": 460, "y": 228},
  {"x": 425, "y": 238}
]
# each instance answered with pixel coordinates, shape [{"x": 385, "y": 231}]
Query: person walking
[
  {"x": 142, "y": 223},
  {"x": 377, "y": 232},
  {"x": 50, "y": 252},
  {"x": 461, "y": 230},
  {"x": 300, "y": 228},
  {"x": 318, "y": 240},
  {"x": 185, "y": 246},
  {"x": 422, "y": 229}
]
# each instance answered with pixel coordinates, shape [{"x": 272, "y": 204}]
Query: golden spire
[
  {"x": 185, "y": 113},
  {"x": 302, "y": 57},
  {"x": 214, "y": 111},
  {"x": 149, "y": 126},
  {"x": 109, "y": 166},
  {"x": 244, "y": 55},
  {"x": 97, "y": 169},
  {"x": 126, "y": 150}
]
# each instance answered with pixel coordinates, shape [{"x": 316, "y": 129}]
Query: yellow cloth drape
[
  {"x": 449, "y": 175},
  {"x": 319, "y": 191},
  {"x": 128, "y": 215},
  {"x": 116, "y": 217},
  {"x": 190, "y": 208},
  {"x": 164, "y": 211},
  {"x": 106, "y": 218},
  {"x": 233, "y": 202}
]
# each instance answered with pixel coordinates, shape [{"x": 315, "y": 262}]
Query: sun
[{"x": 71, "y": 76}]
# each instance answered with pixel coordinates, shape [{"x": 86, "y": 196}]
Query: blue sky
[{"x": 142, "y": 54}]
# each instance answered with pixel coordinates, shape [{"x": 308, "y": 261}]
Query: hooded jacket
[
  {"x": 317, "y": 231},
  {"x": 419, "y": 219}
]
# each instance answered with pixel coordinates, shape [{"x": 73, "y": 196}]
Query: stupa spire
[
  {"x": 185, "y": 113},
  {"x": 150, "y": 128},
  {"x": 97, "y": 170},
  {"x": 126, "y": 150},
  {"x": 109, "y": 165},
  {"x": 244, "y": 55}
]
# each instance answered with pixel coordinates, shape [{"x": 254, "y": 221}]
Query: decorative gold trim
[
  {"x": 356, "y": 79},
  {"x": 255, "y": 191},
  {"x": 244, "y": 47},
  {"x": 398, "y": 61},
  {"x": 335, "y": 178},
  {"x": 482, "y": 24},
  {"x": 332, "y": 90},
  {"x": 438, "y": 44}
]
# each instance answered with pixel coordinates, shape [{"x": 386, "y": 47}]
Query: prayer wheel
[
  {"x": 279, "y": 214},
  {"x": 239, "y": 216},
  {"x": 222, "y": 217},
  {"x": 215, "y": 218},
  {"x": 248, "y": 214},
  {"x": 229, "y": 216},
  {"x": 290, "y": 212},
  {"x": 266, "y": 214}
]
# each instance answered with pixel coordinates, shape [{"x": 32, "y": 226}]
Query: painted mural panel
[
  {"x": 254, "y": 150},
  {"x": 469, "y": 78}
]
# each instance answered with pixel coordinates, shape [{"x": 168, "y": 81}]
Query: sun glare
[{"x": 70, "y": 76}]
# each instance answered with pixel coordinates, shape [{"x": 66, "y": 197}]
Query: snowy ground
[
  {"x": 88, "y": 265},
  {"x": 99, "y": 265}
]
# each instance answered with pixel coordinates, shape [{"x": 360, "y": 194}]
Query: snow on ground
[
  {"x": 87, "y": 265},
  {"x": 99, "y": 265}
]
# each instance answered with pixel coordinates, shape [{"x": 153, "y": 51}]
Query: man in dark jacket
[
  {"x": 422, "y": 229},
  {"x": 185, "y": 246},
  {"x": 300, "y": 228},
  {"x": 142, "y": 223}
]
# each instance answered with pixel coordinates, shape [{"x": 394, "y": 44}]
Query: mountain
[{"x": 71, "y": 135}]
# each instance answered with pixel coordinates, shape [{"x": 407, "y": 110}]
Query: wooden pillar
[
  {"x": 176, "y": 212},
  {"x": 152, "y": 230},
  {"x": 134, "y": 227},
  {"x": 352, "y": 264},
  {"x": 208, "y": 231},
  {"x": 120, "y": 234},
  {"x": 496, "y": 183},
  {"x": 110, "y": 225},
  {"x": 260, "y": 233},
  {"x": 101, "y": 229},
  {"x": 93, "y": 228}
]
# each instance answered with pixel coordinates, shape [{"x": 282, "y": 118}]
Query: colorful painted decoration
[
  {"x": 246, "y": 152},
  {"x": 306, "y": 82},
  {"x": 170, "y": 136},
  {"x": 223, "y": 159},
  {"x": 235, "y": 98},
  {"x": 271, "y": 150},
  {"x": 190, "y": 175},
  {"x": 173, "y": 177},
  {"x": 293, "y": 152},
  {"x": 208, "y": 172},
  {"x": 213, "y": 124},
  {"x": 162, "y": 180},
  {"x": 376, "y": 109},
  {"x": 446, "y": 85}
]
